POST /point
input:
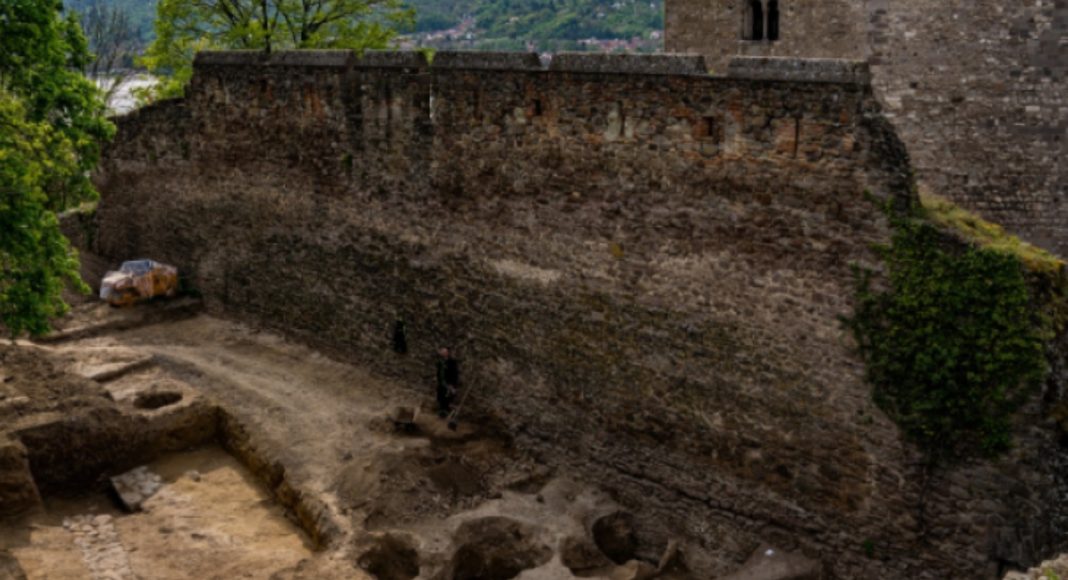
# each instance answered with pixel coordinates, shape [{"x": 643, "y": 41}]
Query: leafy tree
[
  {"x": 140, "y": 14},
  {"x": 185, "y": 26},
  {"x": 35, "y": 259},
  {"x": 41, "y": 55},
  {"x": 546, "y": 24},
  {"x": 114, "y": 42},
  {"x": 51, "y": 124}
]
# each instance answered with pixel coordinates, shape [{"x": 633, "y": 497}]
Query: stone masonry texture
[
  {"x": 642, "y": 273},
  {"x": 977, "y": 90}
]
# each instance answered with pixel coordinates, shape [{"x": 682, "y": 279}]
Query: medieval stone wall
[
  {"x": 977, "y": 90},
  {"x": 641, "y": 267}
]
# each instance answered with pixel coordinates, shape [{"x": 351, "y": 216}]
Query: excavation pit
[
  {"x": 496, "y": 548},
  {"x": 392, "y": 557},
  {"x": 434, "y": 504},
  {"x": 615, "y": 537},
  {"x": 153, "y": 400},
  {"x": 210, "y": 519}
]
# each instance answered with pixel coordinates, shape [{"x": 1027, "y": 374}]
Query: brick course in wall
[{"x": 641, "y": 268}]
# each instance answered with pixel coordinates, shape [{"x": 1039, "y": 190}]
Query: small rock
[
  {"x": 633, "y": 570},
  {"x": 672, "y": 559},
  {"x": 770, "y": 563},
  {"x": 193, "y": 475},
  {"x": 134, "y": 487},
  {"x": 581, "y": 555}
]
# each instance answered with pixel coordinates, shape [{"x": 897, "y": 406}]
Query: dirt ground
[
  {"x": 312, "y": 438},
  {"x": 208, "y": 506}
]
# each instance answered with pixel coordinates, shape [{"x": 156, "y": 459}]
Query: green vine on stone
[{"x": 952, "y": 340}]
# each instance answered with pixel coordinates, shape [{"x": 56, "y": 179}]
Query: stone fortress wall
[
  {"x": 642, "y": 267},
  {"x": 977, "y": 90}
]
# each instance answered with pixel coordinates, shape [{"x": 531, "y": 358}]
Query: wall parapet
[
  {"x": 519, "y": 61},
  {"x": 812, "y": 70},
  {"x": 393, "y": 59},
  {"x": 662, "y": 64},
  {"x": 750, "y": 68},
  {"x": 313, "y": 58}
]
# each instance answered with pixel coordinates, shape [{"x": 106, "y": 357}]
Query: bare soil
[
  {"x": 210, "y": 519},
  {"x": 318, "y": 444}
]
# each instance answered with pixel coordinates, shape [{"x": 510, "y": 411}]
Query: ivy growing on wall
[{"x": 951, "y": 338}]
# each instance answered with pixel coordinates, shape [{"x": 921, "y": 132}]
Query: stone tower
[
  {"x": 977, "y": 89},
  {"x": 720, "y": 29}
]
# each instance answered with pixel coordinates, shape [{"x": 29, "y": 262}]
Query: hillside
[
  {"x": 496, "y": 24},
  {"x": 539, "y": 24}
]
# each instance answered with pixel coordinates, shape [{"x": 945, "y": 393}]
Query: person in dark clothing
[
  {"x": 400, "y": 338},
  {"x": 448, "y": 373}
]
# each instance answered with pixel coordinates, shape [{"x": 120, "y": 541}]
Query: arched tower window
[
  {"x": 773, "y": 19},
  {"x": 754, "y": 21}
]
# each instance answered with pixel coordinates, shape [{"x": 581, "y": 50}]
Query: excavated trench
[
  {"x": 241, "y": 497},
  {"x": 391, "y": 557},
  {"x": 229, "y": 435},
  {"x": 493, "y": 547},
  {"x": 156, "y": 399},
  {"x": 496, "y": 548},
  {"x": 211, "y": 427},
  {"x": 203, "y": 515}
]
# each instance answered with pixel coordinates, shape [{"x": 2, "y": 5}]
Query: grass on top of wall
[{"x": 988, "y": 235}]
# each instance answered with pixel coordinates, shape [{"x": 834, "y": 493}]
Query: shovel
[{"x": 452, "y": 418}]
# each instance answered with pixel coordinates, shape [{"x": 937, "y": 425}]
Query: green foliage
[
  {"x": 513, "y": 25},
  {"x": 51, "y": 124},
  {"x": 41, "y": 55},
  {"x": 869, "y": 548},
  {"x": 952, "y": 342},
  {"x": 428, "y": 53},
  {"x": 546, "y": 24},
  {"x": 182, "y": 28},
  {"x": 112, "y": 39},
  {"x": 35, "y": 258},
  {"x": 978, "y": 231},
  {"x": 140, "y": 13}
]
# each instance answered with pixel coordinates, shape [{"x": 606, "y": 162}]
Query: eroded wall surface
[
  {"x": 977, "y": 90},
  {"x": 641, "y": 268}
]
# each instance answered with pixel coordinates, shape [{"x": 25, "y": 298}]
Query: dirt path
[
  {"x": 319, "y": 408},
  {"x": 314, "y": 413},
  {"x": 441, "y": 504}
]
